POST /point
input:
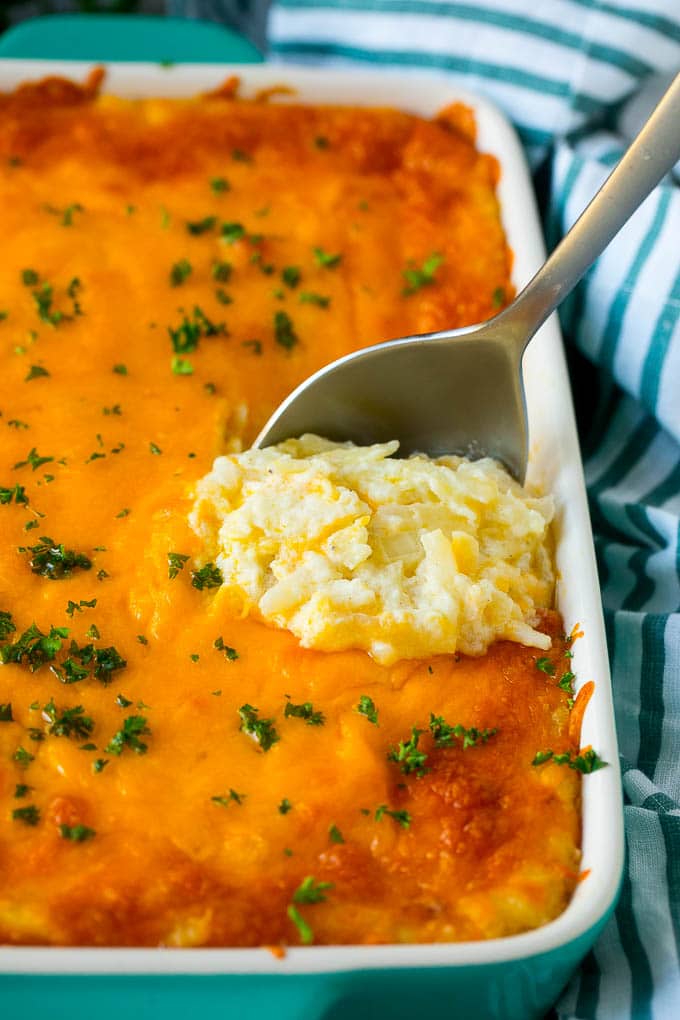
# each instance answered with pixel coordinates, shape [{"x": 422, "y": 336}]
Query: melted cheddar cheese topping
[{"x": 170, "y": 775}]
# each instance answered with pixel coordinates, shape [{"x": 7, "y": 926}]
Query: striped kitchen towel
[{"x": 563, "y": 70}]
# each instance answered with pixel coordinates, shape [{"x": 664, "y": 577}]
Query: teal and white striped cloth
[{"x": 562, "y": 70}]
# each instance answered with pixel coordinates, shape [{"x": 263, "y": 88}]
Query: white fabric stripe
[
  {"x": 474, "y": 40},
  {"x": 626, "y": 677},
  {"x": 651, "y": 288},
  {"x": 600, "y": 144},
  {"x": 286, "y": 24},
  {"x": 661, "y": 570},
  {"x": 615, "y": 992},
  {"x": 620, "y": 428},
  {"x": 650, "y": 904},
  {"x": 667, "y": 409},
  {"x": 667, "y": 771}
]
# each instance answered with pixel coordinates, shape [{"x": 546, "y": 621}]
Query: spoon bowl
[{"x": 461, "y": 391}]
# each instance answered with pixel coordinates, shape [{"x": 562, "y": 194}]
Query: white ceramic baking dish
[{"x": 514, "y": 977}]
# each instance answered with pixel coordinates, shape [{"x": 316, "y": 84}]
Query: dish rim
[{"x": 578, "y": 596}]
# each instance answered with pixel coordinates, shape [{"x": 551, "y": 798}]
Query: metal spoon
[{"x": 461, "y": 391}]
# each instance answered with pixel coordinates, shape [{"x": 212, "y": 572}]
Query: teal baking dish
[{"x": 514, "y": 978}]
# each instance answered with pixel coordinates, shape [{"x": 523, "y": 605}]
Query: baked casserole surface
[{"x": 171, "y": 269}]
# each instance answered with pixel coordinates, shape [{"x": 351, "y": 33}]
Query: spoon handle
[{"x": 653, "y": 153}]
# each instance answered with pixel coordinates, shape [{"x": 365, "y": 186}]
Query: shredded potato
[{"x": 349, "y": 547}]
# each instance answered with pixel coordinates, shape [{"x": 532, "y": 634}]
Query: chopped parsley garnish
[
  {"x": 52, "y": 560},
  {"x": 218, "y": 185},
  {"x": 308, "y": 297},
  {"x": 208, "y": 576},
  {"x": 22, "y": 789},
  {"x": 77, "y": 607},
  {"x": 43, "y": 298},
  {"x": 36, "y": 372},
  {"x": 587, "y": 761},
  {"x": 29, "y": 277},
  {"x": 232, "y": 232},
  {"x": 335, "y": 835},
  {"x": 122, "y": 701},
  {"x": 291, "y": 276},
  {"x": 545, "y": 666},
  {"x": 23, "y": 757},
  {"x": 284, "y": 331},
  {"x": 403, "y": 818},
  {"x": 16, "y": 493},
  {"x": 254, "y": 345},
  {"x": 180, "y": 272},
  {"x": 6, "y": 712},
  {"x": 239, "y": 156},
  {"x": 142, "y": 640},
  {"x": 305, "y": 932},
  {"x": 99, "y": 764},
  {"x": 33, "y": 647},
  {"x": 423, "y": 277},
  {"x": 76, "y": 833},
  {"x": 72, "y": 722},
  {"x": 229, "y": 653},
  {"x": 129, "y": 735},
  {"x": 407, "y": 755},
  {"x": 304, "y": 711},
  {"x": 29, "y": 815},
  {"x": 285, "y": 806},
  {"x": 120, "y": 369},
  {"x": 176, "y": 563},
  {"x": 226, "y": 799},
  {"x": 566, "y": 681},
  {"x": 321, "y": 142},
  {"x": 221, "y": 271},
  {"x": 498, "y": 297},
  {"x": 326, "y": 260},
  {"x": 66, "y": 213},
  {"x": 7, "y": 625},
  {"x": 181, "y": 366},
  {"x": 34, "y": 459},
  {"x": 155, "y": 449},
  {"x": 222, "y": 296},
  {"x": 70, "y": 672},
  {"x": 93, "y": 632},
  {"x": 311, "y": 891},
  {"x": 262, "y": 731},
  {"x": 186, "y": 336},
  {"x": 125, "y": 512},
  {"x": 446, "y": 735},
  {"x": 201, "y": 226}
]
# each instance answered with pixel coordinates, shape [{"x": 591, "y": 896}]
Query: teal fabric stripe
[
  {"x": 666, "y": 27},
  {"x": 670, "y": 826},
  {"x": 660, "y": 803},
  {"x": 589, "y": 989},
  {"x": 444, "y": 62},
  {"x": 634, "y": 449},
  {"x": 663, "y": 332},
  {"x": 486, "y": 16},
  {"x": 666, "y": 489},
  {"x": 620, "y": 304},
  {"x": 640, "y": 971},
  {"x": 651, "y": 692}
]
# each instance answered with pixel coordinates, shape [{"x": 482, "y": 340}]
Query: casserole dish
[{"x": 513, "y": 977}]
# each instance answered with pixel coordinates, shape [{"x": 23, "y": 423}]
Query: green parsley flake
[
  {"x": 6, "y": 712},
  {"x": 262, "y": 731},
  {"x": 221, "y": 271},
  {"x": 308, "y": 297},
  {"x": 285, "y": 806},
  {"x": 180, "y": 272},
  {"x": 29, "y": 815},
  {"x": 76, "y": 833},
  {"x": 229, "y": 653},
  {"x": 134, "y": 727},
  {"x": 218, "y": 185},
  {"x": 284, "y": 331},
  {"x": 208, "y": 576},
  {"x": 335, "y": 835},
  {"x": 367, "y": 707},
  {"x": 202, "y": 226},
  {"x": 291, "y": 276},
  {"x": 325, "y": 260},
  {"x": 407, "y": 755},
  {"x": 36, "y": 372},
  {"x": 304, "y": 711},
  {"x": 181, "y": 366},
  {"x": 423, "y": 277},
  {"x": 176, "y": 563},
  {"x": 52, "y": 560},
  {"x": 226, "y": 799},
  {"x": 586, "y": 762},
  {"x": 545, "y": 666},
  {"x": 403, "y": 818}
]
